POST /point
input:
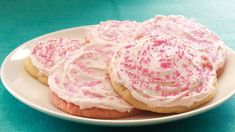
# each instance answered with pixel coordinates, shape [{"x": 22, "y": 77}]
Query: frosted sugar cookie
[
  {"x": 190, "y": 31},
  {"x": 163, "y": 74},
  {"x": 45, "y": 54},
  {"x": 81, "y": 86}
]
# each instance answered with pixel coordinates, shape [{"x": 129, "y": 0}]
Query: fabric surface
[{"x": 22, "y": 20}]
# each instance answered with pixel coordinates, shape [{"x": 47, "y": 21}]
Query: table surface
[{"x": 23, "y": 20}]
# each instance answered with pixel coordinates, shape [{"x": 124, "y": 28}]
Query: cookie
[
  {"x": 47, "y": 53},
  {"x": 163, "y": 74},
  {"x": 190, "y": 31},
  {"x": 82, "y": 85},
  {"x": 97, "y": 113}
]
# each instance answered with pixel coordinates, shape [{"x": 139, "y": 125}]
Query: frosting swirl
[
  {"x": 113, "y": 31},
  {"x": 82, "y": 78},
  {"x": 163, "y": 71},
  {"x": 189, "y": 31},
  {"x": 45, "y": 54}
]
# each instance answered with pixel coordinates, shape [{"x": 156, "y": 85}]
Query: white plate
[{"x": 34, "y": 94}]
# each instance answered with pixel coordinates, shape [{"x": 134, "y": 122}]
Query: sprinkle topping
[
  {"x": 189, "y": 31},
  {"x": 45, "y": 54}
]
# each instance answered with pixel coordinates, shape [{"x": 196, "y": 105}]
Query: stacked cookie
[{"x": 167, "y": 64}]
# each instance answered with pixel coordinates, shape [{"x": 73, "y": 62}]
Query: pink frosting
[
  {"x": 189, "y": 31},
  {"x": 82, "y": 78},
  {"x": 45, "y": 54},
  {"x": 113, "y": 31},
  {"x": 164, "y": 71}
]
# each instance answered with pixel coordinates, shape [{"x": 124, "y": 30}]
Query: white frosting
[
  {"x": 113, "y": 31},
  {"x": 163, "y": 71},
  {"x": 82, "y": 79},
  {"x": 45, "y": 54}
]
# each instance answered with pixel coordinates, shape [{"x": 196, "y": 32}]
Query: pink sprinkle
[
  {"x": 166, "y": 65},
  {"x": 157, "y": 79},
  {"x": 185, "y": 65},
  {"x": 92, "y": 83},
  {"x": 167, "y": 77},
  {"x": 158, "y": 42},
  {"x": 92, "y": 95},
  {"x": 176, "y": 74},
  {"x": 184, "y": 89},
  {"x": 177, "y": 84},
  {"x": 139, "y": 67},
  {"x": 180, "y": 54},
  {"x": 145, "y": 71},
  {"x": 128, "y": 46},
  {"x": 161, "y": 51},
  {"x": 157, "y": 88}
]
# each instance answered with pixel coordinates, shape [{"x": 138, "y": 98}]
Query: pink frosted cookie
[
  {"x": 113, "y": 31},
  {"x": 81, "y": 85},
  {"x": 191, "y": 32},
  {"x": 45, "y": 54},
  {"x": 163, "y": 74}
]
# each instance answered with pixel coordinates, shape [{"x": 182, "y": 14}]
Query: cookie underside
[
  {"x": 97, "y": 113},
  {"x": 34, "y": 72}
]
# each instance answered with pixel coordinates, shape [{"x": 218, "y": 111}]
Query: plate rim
[{"x": 102, "y": 122}]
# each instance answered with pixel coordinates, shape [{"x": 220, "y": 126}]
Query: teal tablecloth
[{"x": 22, "y": 20}]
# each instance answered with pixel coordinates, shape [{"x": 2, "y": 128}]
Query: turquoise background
[{"x": 22, "y": 20}]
